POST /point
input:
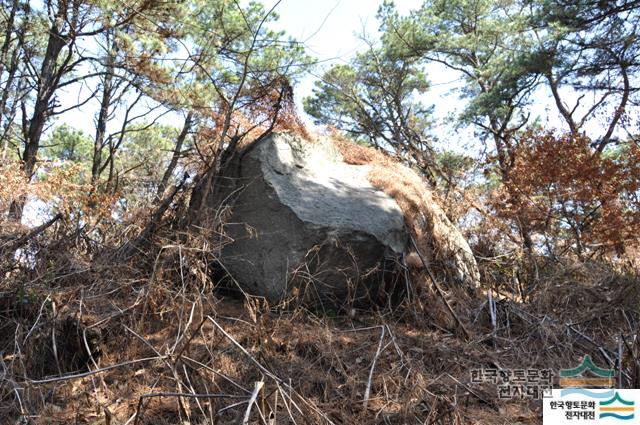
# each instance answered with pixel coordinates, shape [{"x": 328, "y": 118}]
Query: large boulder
[{"x": 304, "y": 223}]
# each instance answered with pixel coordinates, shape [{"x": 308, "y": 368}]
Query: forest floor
[{"x": 175, "y": 353}]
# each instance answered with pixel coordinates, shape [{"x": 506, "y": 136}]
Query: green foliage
[
  {"x": 146, "y": 149},
  {"x": 67, "y": 143},
  {"x": 375, "y": 100},
  {"x": 592, "y": 47},
  {"x": 456, "y": 168},
  {"x": 143, "y": 157},
  {"x": 504, "y": 49},
  {"x": 585, "y": 53},
  {"x": 238, "y": 56},
  {"x": 145, "y": 153},
  {"x": 486, "y": 41},
  {"x": 371, "y": 97}
]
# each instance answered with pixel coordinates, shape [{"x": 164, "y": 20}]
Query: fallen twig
[
  {"x": 17, "y": 243},
  {"x": 169, "y": 394},
  {"x": 257, "y": 387},
  {"x": 367, "y": 392},
  {"x": 93, "y": 372},
  {"x": 438, "y": 290}
]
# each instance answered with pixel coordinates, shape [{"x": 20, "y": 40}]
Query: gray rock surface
[{"x": 306, "y": 223}]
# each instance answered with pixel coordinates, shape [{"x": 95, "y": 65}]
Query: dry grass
[
  {"x": 437, "y": 239},
  {"x": 85, "y": 339},
  {"x": 166, "y": 348}
]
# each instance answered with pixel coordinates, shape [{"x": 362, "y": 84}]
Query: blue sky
[{"x": 331, "y": 31}]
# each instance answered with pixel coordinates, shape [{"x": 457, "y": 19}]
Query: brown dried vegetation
[{"x": 88, "y": 338}]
